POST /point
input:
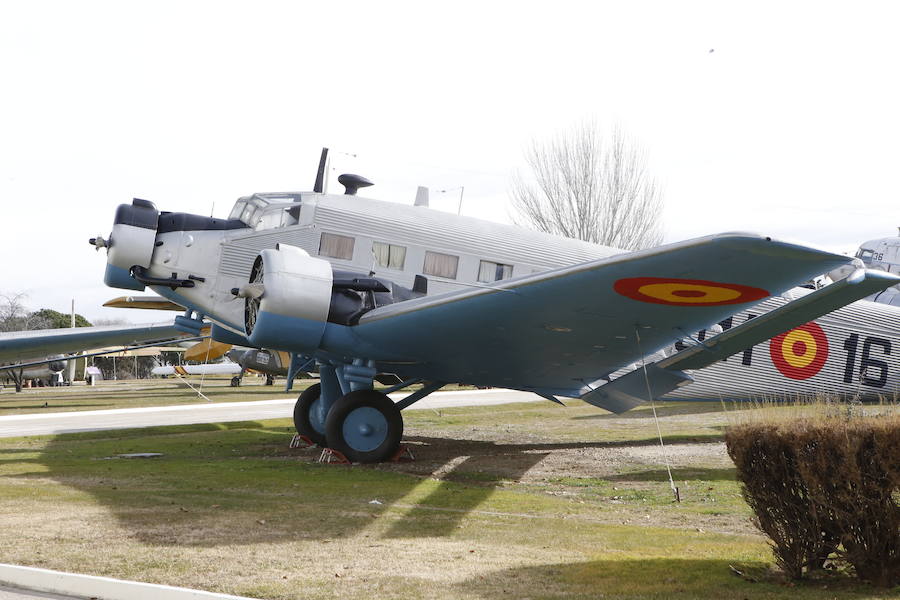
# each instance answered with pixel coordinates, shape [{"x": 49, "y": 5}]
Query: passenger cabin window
[
  {"x": 440, "y": 265},
  {"x": 336, "y": 246},
  {"x": 491, "y": 271},
  {"x": 389, "y": 255}
]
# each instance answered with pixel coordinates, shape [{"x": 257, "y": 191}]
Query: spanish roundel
[
  {"x": 687, "y": 292},
  {"x": 801, "y": 352}
]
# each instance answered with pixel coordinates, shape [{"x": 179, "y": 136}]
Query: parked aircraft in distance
[
  {"x": 222, "y": 368},
  {"x": 884, "y": 254},
  {"x": 266, "y": 362},
  {"x": 48, "y": 373},
  {"x": 31, "y": 354},
  {"x": 366, "y": 287}
]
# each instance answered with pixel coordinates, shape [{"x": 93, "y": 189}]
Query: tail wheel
[
  {"x": 365, "y": 426},
  {"x": 307, "y": 418},
  {"x": 235, "y": 381}
]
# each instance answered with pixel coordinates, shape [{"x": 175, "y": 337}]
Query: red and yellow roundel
[
  {"x": 801, "y": 352},
  {"x": 687, "y": 292}
]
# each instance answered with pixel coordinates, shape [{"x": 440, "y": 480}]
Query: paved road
[
  {"x": 8, "y": 593},
  {"x": 186, "y": 414}
]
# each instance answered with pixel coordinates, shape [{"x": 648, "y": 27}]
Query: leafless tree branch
[{"x": 590, "y": 189}]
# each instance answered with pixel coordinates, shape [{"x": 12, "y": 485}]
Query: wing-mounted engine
[
  {"x": 287, "y": 299},
  {"x": 130, "y": 244},
  {"x": 291, "y": 296}
]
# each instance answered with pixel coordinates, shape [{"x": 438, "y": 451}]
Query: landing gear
[
  {"x": 270, "y": 380},
  {"x": 307, "y": 415},
  {"x": 235, "y": 381},
  {"x": 365, "y": 426}
]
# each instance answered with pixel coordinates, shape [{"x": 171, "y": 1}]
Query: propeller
[{"x": 98, "y": 242}]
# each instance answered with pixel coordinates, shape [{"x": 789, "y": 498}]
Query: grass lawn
[
  {"x": 131, "y": 393},
  {"x": 134, "y": 393},
  {"x": 523, "y": 500}
]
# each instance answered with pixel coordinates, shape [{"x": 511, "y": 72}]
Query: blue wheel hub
[
  {"x": 365, "y": 429},
  {"x": 317, "y": 415}
]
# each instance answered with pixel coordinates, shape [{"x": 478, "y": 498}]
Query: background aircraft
[
  {"x": 240, "y": 360},
  {"x": 852, "y": 352},
  {"x": 884, "y": 254},
  {"x": 342, "y": 280},
  {"x": 28, "y": 354}
]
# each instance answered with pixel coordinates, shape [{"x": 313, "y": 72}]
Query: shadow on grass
[
  {"x": 680, "y": 474},
  {"x": 239, "y": 483},
  {"x": 660, "y": 578}
]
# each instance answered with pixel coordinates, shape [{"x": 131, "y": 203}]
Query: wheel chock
[
  {"x": 403, "y": 454},
  {"x": 301, "y": 441},
  {"x": 332, "y": 456}
]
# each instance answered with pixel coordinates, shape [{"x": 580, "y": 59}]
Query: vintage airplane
[
  {"x": 47, "y": 373},
  {"x": 270, "y": 363},
  {"x": 884, "y": 254},
  {"x": 365, "y": 287},
  {"x": 31, "y": 354}
]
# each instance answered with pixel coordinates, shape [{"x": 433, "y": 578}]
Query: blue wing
[{"x": 561, "y": 331}]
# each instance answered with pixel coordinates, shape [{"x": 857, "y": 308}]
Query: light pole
[{"x": 462, "y": 190}]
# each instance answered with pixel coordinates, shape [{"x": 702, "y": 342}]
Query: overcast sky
[{"x": 780, "y": 118}]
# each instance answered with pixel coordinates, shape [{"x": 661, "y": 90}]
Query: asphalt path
[
  {"x": 212, "y": 412},
  {"x": 8, "y": 593}
]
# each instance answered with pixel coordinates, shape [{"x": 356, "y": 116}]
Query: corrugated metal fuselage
[
  {"x": 855, "y": 350},
  {"x": 861, "y": 336}
]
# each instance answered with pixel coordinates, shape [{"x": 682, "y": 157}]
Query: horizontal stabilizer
[
  {"x": 630, "y": 390},
  {"x": 784, "y": 318}
]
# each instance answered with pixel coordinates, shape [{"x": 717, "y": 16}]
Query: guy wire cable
[{"x": 655, "y": 417}]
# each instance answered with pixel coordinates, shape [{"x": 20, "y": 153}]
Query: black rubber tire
[
  {"x": 235, "y": 381},
  {"x": 346, "y": 404},
  {"x": 270, "y": 380},
  {"x": 301, "y": 414}
]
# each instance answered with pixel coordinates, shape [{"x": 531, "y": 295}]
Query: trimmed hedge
[{"x": 825, "y": 488}]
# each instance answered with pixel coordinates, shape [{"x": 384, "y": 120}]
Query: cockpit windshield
[
  {"x": 237, "y": 210},
  {"x": 265, "y": 211},
  {"x": 249, "y": 210}
]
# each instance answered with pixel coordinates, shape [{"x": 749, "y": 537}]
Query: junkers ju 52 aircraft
[{"x": 363, "y": 287}]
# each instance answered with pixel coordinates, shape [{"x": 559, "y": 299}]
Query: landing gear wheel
[
  {"x": 270, "y": 380},
  {"x": 365, "y": 426},
  {"x": 308, "y": 424},
  {"x": 235, "y": 381}
]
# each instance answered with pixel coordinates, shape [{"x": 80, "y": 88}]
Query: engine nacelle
[
  {"x": 287, "y": 299},
  {"x": 131, "y": 243}
]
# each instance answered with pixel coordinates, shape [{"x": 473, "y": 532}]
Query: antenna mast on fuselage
[{"x": 322, "y": 174}]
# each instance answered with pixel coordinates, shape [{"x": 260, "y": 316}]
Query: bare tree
[
  {"x": 15, "y": 316},
  {"x": 590, "y": 189}
]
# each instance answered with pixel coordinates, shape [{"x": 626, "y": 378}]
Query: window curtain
[{"x": 440, "y": 265}]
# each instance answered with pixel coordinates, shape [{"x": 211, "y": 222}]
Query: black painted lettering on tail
[{"x": 748, "y": 353}]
